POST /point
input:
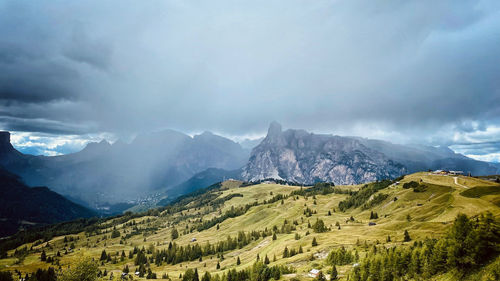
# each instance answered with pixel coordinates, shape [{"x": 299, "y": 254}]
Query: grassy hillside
[{"x": 425, "y": 205}]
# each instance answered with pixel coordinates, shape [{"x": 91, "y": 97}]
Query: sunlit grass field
[{"x": 423, "y": 214}]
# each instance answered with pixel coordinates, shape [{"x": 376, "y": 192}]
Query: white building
[{"x": 314, "y": 273}]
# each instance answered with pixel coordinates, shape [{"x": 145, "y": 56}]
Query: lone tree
[
  {"x": 238, "y": 261},
  {"x": 406, "y": 236},
  {"x": 334, "y": 274},
  {"x": 314, "y": 242},
  {"x": 104, "y": 256},
  {"x": 175, "y": 234},
  {"x": 206, "y": 276},
  {"x": 266, "y": 260}
]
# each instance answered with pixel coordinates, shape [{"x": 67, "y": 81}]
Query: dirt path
[{"x": 456, "y": 182}]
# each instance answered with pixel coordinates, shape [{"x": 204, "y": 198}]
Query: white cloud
[
  {"x": 492, "y": 157},
  {"x": 51, "y": 145}
]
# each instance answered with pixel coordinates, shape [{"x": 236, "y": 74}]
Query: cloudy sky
[{"x": 406, "y": 71}]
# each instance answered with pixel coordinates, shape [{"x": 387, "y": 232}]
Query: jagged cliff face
[{"x": 296, "y": 155}]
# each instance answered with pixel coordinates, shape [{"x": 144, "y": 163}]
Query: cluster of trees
[
  {"x": 287, "y": 227},
  {"x": 83, "y": 270},
  {"x": 278, "y": 181},
  {"x": 341, "y": 256},
  {"x": 259, "y": 271},
  {"x": 39, "y": 275},
  {"x": 417, "y": 187},
  {"x": 308, "y": 212},
  {"x": 377, "y": 199},
  {"x": 373, "y": 216},
  {"x": 468, "y": 245},
  {"x": 321, "y": 188},
  {"x": 115, "y": 233},
  {"x": 292, "y": 252},
  {"x": 319, "y": 226},
  {"x": 360, "y": 197},
  {"x": 175, "y": 254},
  {"x": 90, "y": 226},
  {"x": 276, "y": 198},
  {"x": 46, "y": 233}
]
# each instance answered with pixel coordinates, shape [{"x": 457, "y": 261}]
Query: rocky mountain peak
[
  {"x": 299, "y": 156},
  {"x": 5, "y": 145},
  {"x": 274, "y": 129},
  {"x": 102, "y": 145}
]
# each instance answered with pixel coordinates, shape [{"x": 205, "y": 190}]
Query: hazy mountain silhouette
[{"x": 22, "y": 206}]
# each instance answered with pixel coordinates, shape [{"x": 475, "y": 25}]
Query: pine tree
[
  {"x": 43, "y": 256},
  {"x": 196, "y": 276},
  {"x": 334, "y": 274},
  {"x": 266, "y": 260},
  {"x": 238, "y": 261},
  {"x": 104, "y": 256},
  {"x": 314, "y": 242},
  {"x": 285, "y": 252},
  {"x": 218, "y": 265},
  {"x": 206, "y": 276},
  {"x": 175, "y": 234},
  {"x": 406, "y": 236},
  {"x": 274, "y": 236}
]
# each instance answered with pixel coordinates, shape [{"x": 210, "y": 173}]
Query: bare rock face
[{"x": 299, "y": 156}]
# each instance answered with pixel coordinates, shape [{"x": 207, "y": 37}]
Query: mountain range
[
  {"x": 299, "y": 156},
  {"x": 169, "y": 164},
  {"x": 103, "y": 173}
]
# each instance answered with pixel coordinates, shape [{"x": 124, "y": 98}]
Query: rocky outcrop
[{"x": 299, "y": 156}]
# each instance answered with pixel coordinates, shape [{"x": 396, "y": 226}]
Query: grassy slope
[{"x": 431, "y": 213}]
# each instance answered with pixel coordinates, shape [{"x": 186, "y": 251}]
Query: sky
[{"x": 422, "y": 72}]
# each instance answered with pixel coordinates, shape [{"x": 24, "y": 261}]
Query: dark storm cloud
[{"x": 408, "y": 71}]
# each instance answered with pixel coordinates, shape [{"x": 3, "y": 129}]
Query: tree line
[{"x": 469, "y": 244}]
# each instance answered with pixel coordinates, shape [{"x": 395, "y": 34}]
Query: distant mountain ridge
[
  {"x": 102, "y": 172},
  {"x": 23, "y": 206},
  {"x": 299, "y": 156}
]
